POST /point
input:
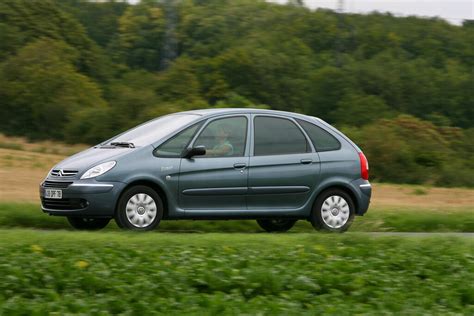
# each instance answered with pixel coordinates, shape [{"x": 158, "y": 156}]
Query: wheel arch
[
  {"x": 153, "y": 185},
  {"x": 341, "y": 186}
]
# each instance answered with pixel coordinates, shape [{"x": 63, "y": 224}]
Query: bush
[{"x": 409, "y": 150}]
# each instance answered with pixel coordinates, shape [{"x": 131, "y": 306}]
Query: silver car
[{"x": 271, "y": 166}]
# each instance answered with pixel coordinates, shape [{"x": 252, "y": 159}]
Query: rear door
[
  {"x": 283, "y": 167},
  {"x": 214, "y": 184}
]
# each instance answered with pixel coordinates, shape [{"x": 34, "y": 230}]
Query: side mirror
[{"x": 195, "y": 151}]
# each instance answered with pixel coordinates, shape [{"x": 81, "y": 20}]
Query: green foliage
[
  {"x": 233, "y": 100},
  {"x": 141, "y": 31},
  {"x": 31, "y": 20},
  {"x": 409, "y": 150},
  {"x": 252, "y": 72},
  {"x": 42, "y": 90},
  {"x": 130, "y": 96},
  {"x": 100, "y": 19},
  {"x": 179, "y": 83},
  {"x": 301, "y": 274},
  {"x": 91, "y": 125},
  {"x": 359, "y": 109},
  {"x": 83, "y": 71}
]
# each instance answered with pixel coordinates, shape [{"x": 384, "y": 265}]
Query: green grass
[
  {"x": 390, "y": 219},
  {"x": 290, "y": 274}
]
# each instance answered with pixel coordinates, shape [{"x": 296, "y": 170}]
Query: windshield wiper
[{"x": 123, "y": 144}]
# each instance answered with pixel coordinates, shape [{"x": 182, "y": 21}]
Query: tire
[
  {"x": 83, "y": 223},
  {"x": 333, "y": 211},
  {"x": 140, "y": 208},
  {"x": 276, "y": 225}
]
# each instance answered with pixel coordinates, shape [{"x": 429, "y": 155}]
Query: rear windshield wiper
[{"x": 123, "y": 144}]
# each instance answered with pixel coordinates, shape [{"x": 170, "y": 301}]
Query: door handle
[
  {"x": 240, "y": 165},
  {"x": 306, "y": 161}
]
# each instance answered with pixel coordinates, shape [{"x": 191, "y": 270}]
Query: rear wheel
[
  {"x": 333, "y": 211},
  {"x": 82, "y": 223},
  {"x": 276, "y": 225},
  {"x": 140, "y": 208}
]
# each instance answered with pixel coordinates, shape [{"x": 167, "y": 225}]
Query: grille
[
  {"x": 64, "y": 204},
  {"x": 63, "y": 173},
  {"x": 56, "y": 184}
]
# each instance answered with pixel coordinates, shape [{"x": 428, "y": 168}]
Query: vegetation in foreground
[
  {"x": 304, "y": 274},
  {"x": 376, "y": 220}
]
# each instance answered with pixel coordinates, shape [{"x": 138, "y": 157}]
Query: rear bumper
[
  {"x": 363, "y": 191},
  {"x": 83, "y": 198}
]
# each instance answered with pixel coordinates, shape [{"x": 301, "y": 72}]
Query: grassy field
[{"x": 297, "y": 274}]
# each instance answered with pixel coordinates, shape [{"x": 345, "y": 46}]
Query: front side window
[
  {"x": 224, "y": 137},
  {"x": 174, "y": 147},
  {"x": 278, "y": 136},
  {"x": 322, "y": 140}
]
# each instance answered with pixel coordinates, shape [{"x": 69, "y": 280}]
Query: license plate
[{"x": 53, "y": 194}]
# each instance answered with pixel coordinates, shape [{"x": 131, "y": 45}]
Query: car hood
[{"x": 91, "y": 157}]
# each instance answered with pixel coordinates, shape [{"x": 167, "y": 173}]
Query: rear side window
[
  {"x": 322, "y": 140},
  {"x": 278, "y": 136},
  {"x": 174, "y": 147}
]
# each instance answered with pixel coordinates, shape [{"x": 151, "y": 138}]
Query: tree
[
  {"x": 358, "y": 109},
  {"x": 409, "y": 150},
  {"x": 270, "y": 76},
  {"x": 40, "y": 89},
  {"x": 131, "y": 95},
  {"x": 141, "y": 35},
  {"x": 99, "y": 18},
  {"x": 32, "y": 20},
  {"x": 328, "y": 86}
]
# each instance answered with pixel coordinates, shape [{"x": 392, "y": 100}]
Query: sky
[{"x": 454, "y": 11}]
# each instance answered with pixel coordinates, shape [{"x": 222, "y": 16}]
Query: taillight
[{"x": 364, "y": 166}]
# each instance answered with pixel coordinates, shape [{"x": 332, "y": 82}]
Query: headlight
[{"x": 98, "y": 170}]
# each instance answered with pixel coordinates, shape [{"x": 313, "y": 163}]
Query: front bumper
[{"x": 81, "y": 197}]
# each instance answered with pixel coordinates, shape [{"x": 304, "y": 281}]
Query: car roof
[{"x": 221, "y": 111}]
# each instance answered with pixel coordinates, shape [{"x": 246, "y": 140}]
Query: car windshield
[{"x": 151, "y": 131}]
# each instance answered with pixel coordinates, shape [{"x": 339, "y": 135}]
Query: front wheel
[
  {"x": 140, "y": 208},
  {"x": 82, "y": 223},
  {"x": 333, "y": 211},
  {"x": 276, "y": 225}
]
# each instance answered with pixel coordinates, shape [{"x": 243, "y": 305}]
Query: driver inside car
[{"x": 223, "y": 146}]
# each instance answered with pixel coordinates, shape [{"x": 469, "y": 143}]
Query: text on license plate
[{"x": 53, "y": 194}]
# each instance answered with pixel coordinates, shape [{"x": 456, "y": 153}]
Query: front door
[
  {"x": 215, "y": 183},
  {"x": 283, "y": 169}
]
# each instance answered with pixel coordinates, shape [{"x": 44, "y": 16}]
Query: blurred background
[{"x": 399, "y": 85}]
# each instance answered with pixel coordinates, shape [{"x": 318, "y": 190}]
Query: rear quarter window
[
  {"x": 321, "y": 139},
  {"x": 278, "y": 136}
]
